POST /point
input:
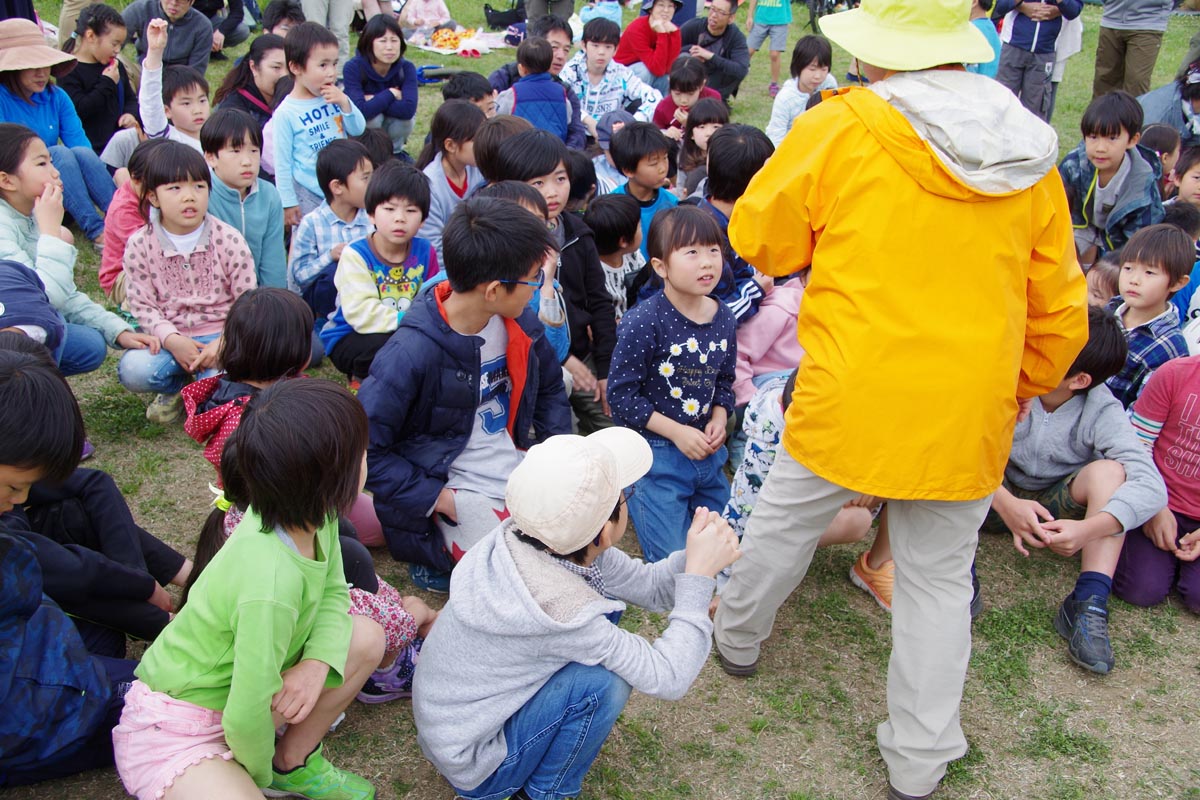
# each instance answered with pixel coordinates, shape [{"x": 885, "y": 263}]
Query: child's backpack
[{"x": 500, "y": 20}]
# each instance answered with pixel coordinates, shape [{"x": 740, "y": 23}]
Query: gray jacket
[
  {"x": 1136, "y": 15},
  {"x": 1049, "y": 447},
  {"x": 443, "y": 201},
  {"x": 189, "y": 41},
  {"x": 515, "y": 618}
]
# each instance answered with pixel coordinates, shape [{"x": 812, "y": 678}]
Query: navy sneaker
[
  {"x": 429, "y": 579},
  {"x": 1084, "y": 624}
]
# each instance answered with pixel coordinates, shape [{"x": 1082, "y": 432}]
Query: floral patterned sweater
[{"x": 664, "y": 362}]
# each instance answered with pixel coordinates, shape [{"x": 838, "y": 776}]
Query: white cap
[{"x": 564, "y": 490}]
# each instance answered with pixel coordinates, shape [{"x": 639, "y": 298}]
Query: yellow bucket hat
[{"x": 909, "y": 34}]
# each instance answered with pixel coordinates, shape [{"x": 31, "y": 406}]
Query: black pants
[
  {"x": 355, "y": 352},
  {"x": 356, "y": 559}
]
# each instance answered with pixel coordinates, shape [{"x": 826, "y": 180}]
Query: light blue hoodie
[{"x": 259, "y": 218}]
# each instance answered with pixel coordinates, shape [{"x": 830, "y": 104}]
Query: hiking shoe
[
  {"x": 773, "y": 89},
  {"x": 1084, "y": 624},
  {"x": 319, "y": 780},
  {"x": 165, "y": 409},
  {"x": 896, "y": 794},
  {"x": 429, "y": 579},
  {"x": 736, "y": 670},
  {"x": 976, "y": 597},
  {"x": 875, "y": 582},
  {"x": 395, "y": 682}
]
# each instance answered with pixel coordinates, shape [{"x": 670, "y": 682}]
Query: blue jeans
[
  {"x": 81, "y": 350},
  {"x": 660, "y": 82},
  {"x": 663, "y": 501},
  {"x": 555, "y": 737},
  {"x": 139, "y": 371},
  {"x": 86, "y": 185}
]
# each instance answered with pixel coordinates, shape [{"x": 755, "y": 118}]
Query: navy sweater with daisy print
[{"x": 664, "y": 362}]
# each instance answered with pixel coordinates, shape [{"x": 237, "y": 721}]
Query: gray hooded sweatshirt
[
  {"x": 515, "y": 618},
  {"x": 1049, "y": 447}
]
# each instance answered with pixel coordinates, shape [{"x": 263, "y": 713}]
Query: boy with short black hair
[
  {"x": 689, "y": 83},
  {"x": 472, "y": 87},
  {"x": 601, "y": 84},
  {"x": 537, "y": 96},
  {"x": 456, "y": 392},
  {"x": 1111, "y": 180},
  {"x": 1154, "y": 265},
  {"x": 1077, "y": 479},
  {"x": 642, "y": 152},
  {"x": 1186, "y": 217},
  {"x": 344, "y": 170},
  {"x": 1187, "y": 175},
  {"x": 232, "y": 145},
  {"x": 280, "y": 16},
  {"x": 616, "y": 223},
  {"x": 378, "y": 277}
]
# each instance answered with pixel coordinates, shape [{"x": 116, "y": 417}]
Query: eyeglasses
[
  {"x": 539, "y": 283},
  {"x": 713, "y": 11}
]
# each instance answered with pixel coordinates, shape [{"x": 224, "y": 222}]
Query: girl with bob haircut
[
  {"x": 264, "y": 637},
  {"x": 705, "y": 119},
  {"x": 382, "y": 82}
]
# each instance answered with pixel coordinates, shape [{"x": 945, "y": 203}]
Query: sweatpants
[
  {"x": 933, "y": 545},
  {"x": 478, "y": 515},
  {"x": 1027, "y": 75}
]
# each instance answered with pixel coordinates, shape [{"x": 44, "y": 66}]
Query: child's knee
[
  {"x": 367, "y": 642},
  {"x": 1098, "y": 480}
]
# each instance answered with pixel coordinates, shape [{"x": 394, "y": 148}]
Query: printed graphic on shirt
[
  {"x": 1183, "y": 456},
  {"x": 399, "y": 285},
  {"x": 495, "y": 389},
  {"x": 322, "y": 125},
  {"x": 693, "y": 386}
]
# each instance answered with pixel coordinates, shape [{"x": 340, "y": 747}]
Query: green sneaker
[{"x": 319, "y": 780}]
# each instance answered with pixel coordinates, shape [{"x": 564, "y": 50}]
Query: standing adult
[
  {"x": 1131, "y": 33},
  {"x": 720, "y": 44},
  {"x": 536, "y": 9},
  {"x": 921, "y": 408}
]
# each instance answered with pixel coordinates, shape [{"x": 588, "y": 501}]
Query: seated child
[
  {"x": 99, "y": 85},
  {"x": 426, "y": 14},
  {"x": 381, "y": 82},
  {"x": 688, "y": 87},
  {"x": 232, "y": 145},
  {"x": 31, "y": 215},
  {"x": 173, "y": 100},
  {"x": 1187, "y": 175},
  {"x": 537, "y": 96},
  {"x": 539, "y": 159},
  {"x": 1104, "y": 279},
  {"x": 873, "y": 571},
  {"x": 283, "y": 645},
  {"x": 1077, "y": 479},
  {"x": 451, "y": 415},
  {"x": 448, "y": 161},
  {"x": 608, "y": 177},
  {"x": 583, "y": 182},
  {"x": 1186, "y": 217},
  {"x": 1111, "y": 180},
  {"x": 125, "y": 216},
  {"x": 183, "y": 272},
  {"x": 60, "y": 703},
  {"x": 642, "y": 153},
  {"x": 1162, "y": 554},
  {"x": 1154, "y": 265},
  {"x": 377, "y": 278},
  {"x": 1164, "y": 140},
  {"x": 315, "y": 113},
  {"x": 343, "y": 169},
  {"x": 526, "y": 672},
  {"x": 672, "y": 378},
  {"x": 704, "y": 119},
  {"x": 812, "y": 57},
  {"x": 473, "y": 87},
  {"x": 601, "y": 84},
  {"x": 25, "y": 309},
  {"x": 616, "y": 223}
]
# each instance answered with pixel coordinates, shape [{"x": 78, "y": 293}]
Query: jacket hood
[
  {"x": 960, "y": 135},
  {"x": 518, "y": 591},
  {"x": 214, "y": 408}
]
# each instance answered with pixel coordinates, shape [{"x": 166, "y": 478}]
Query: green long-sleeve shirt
[{"x": 258, "y": 609}]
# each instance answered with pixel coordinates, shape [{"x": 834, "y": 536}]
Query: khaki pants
[
  {"x": 933, "y": 546},
  {"x": 68, "y": 17},
  {"x": 1125, "y": 60}
]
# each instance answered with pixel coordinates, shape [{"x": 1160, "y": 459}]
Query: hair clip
[{"x": 219, "y": 499}]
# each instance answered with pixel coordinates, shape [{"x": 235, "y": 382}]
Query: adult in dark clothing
[
  {"x": 720, "y": 44},
  {"x": 190, "y": 34},
  {"x": 229, "y": 27}
]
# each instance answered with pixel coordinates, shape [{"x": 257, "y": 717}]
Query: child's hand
[
  {"x": 1189, "y": 547},
  {"x": 681, "y": 116},
  {"x": 333, "y": 94},
  {"x": 207, "y": 358},
  {"x": 584, "y": 378},
  {"x": 160, "y": 599},
  {"x": 131, "y": 340},
  {"x": 218, "y": 42},
  {"x": 127, "y": 121},
  {"x": 692, "y": 443},
  {"x": 714, "y": 431},
  {"x": 1023, "y": 518},
  {"x": 156, "y": 36},
  {"x": 1024, "y": 406},
  {"x": 396, "y": 93},
  {"x": 674, "y": 134},
  {"x": 302, "y": 685},
  {"x": 445, "y": 505},
  {"x": 112, "y": 71},
  {"x": 765, "y": 282},
  {"x": 184, "y": 350},
  {"x": 1067, "y": 536},
  {"x": 1163, "y": 530},
  {"x": 711, "y": 544},
  {"x": 48, "y": 209},
  {"x": 863, "y": 501},
  {"x": 291, "y": 218}
]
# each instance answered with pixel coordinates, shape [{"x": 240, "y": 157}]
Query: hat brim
[
  {"x": 906, "y": 49},
  {"x": 631, "y": 451},
  {"x": 36, "y": 56}
]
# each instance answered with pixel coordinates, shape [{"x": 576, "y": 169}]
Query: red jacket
[
  {"x": 664, "y": 112},
  {"x": 657, "y": 51}
]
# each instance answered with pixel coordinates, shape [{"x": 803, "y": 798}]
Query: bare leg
[
  {"x": 849, "y": 526},
  {"x": 881, "y": 549},
  {"x": 214, "y": 777},
  {"x": 774, "y": 66},
  {"x": 1093, "y": 487}
]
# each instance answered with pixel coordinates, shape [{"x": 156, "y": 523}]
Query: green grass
[{"x": 804, "y": 727}]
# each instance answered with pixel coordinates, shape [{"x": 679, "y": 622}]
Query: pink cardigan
[
  {"x": 189, "y": 295},
  {"x": 767, "y": 341}
]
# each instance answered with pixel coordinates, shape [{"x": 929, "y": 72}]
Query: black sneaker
[
  {"x": 976, "y": 597},
  {"x": 1084, "y": 624}
]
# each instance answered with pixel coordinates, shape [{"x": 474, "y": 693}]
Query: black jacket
[
  {"x": 731, "y": 55},
  {"x": 589, "y": 305}
]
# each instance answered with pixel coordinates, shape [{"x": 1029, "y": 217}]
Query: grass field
[{"x": 804, "y": 727}]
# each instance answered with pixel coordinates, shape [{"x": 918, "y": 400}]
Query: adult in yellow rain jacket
[{"x": 944, "y": 289}]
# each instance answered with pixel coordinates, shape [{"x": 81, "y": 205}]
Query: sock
[{"x": 1093, "y": 584}]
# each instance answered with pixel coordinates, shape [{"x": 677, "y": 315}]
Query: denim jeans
[
  {"x": 663, "y": 501},
  {"x": 139, "y": 371},
  {"x": 554, "y": 738},
  {"x": 81, "y": 350},
  {"x": 660, "y": 82},
  {"x": 86, "y": 185}
]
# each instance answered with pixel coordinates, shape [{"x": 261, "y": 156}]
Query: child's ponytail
[
  {"x": 97, "y": 18},
  {"x": 457, "y": 120}
]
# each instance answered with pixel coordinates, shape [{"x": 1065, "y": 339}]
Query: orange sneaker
[{"x": 875, "y": 582}]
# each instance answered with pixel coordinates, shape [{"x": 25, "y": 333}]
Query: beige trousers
[{"x": 933, "y": 546}]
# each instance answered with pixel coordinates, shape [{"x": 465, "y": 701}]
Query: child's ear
[
  {"x": 336, "y": 187},
  {"x": 491, "y": 290},
  {"x": 1079, "y": 381},
  {"x": 1133, "y": 140},
  {"x": 152, "y": 198},
  {"x": 8, "y": 182},
  {"x": 659, "y": 266},
  {"x": 167, "y": 113},
  {"x": 1179, "y": 284},
  {"x": 211, "y": 158}
]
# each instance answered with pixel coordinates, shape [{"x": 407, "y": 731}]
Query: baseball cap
[
  {"x": 565, "y": 489},
  {"x": 604, "y": 128}
]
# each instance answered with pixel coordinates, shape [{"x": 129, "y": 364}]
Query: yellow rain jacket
[{"x": 944, "y": 280}]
